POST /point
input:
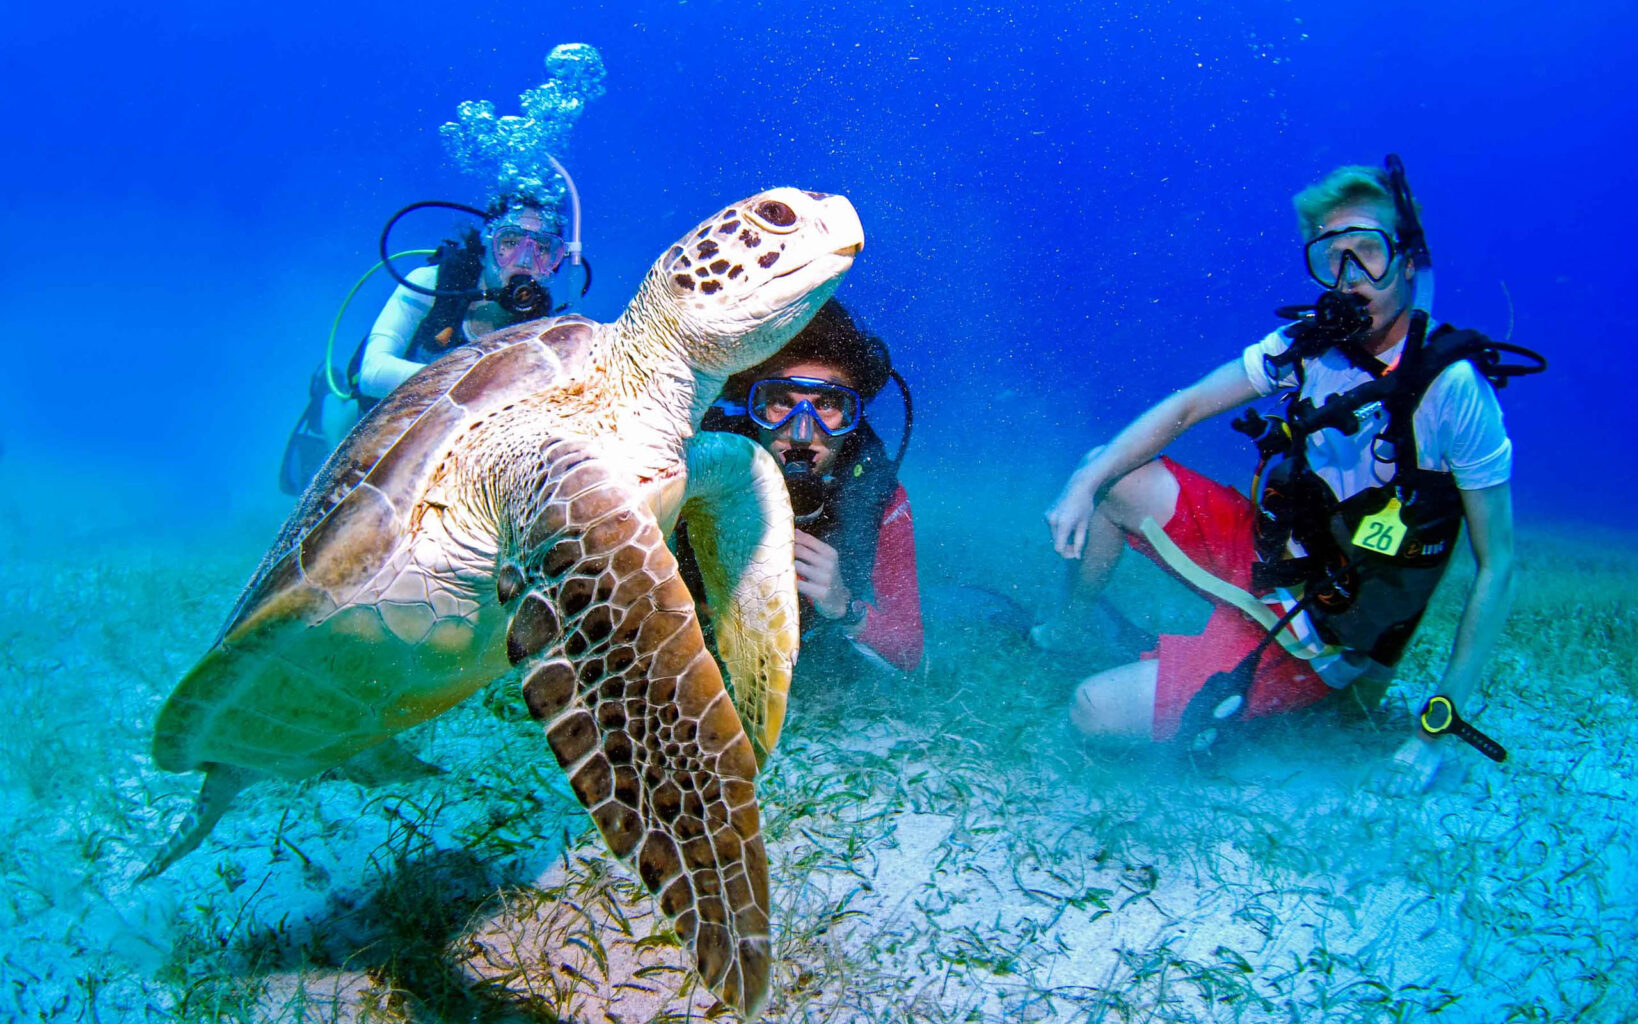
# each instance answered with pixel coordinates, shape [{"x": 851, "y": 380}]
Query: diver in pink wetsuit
[{"x": 855, "y": 539}]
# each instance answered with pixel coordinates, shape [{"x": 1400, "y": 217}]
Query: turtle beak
[{"x": 841, "y": 222}]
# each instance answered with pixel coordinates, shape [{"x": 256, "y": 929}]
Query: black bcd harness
[
  {"x": 459, "y": 264},
  {"x": 1371, "y": 561}
]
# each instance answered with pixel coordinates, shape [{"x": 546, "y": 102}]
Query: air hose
[{"x": 330, "y": 342}]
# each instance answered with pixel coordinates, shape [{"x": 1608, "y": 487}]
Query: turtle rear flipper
[
  {"x": 611, "y": 661},
  {"x": 385, "y": 762},
  {"x": 222, "y": 783},
  {"x": 739, "y": 524}
]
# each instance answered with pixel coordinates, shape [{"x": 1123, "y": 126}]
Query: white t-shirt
[
  {"x": 1458, "y": 428},
  {"x": 384, "y": 366},
  {"x": 1458, "y": 425}
]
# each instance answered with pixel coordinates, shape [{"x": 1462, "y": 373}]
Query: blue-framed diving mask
[{"x": 806, "y": 403}]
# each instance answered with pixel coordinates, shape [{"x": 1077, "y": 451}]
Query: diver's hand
[
  {"x": 819, "y": 576},
  {"x": 1071, "y": 515},
  {"x": 1411, "y": 769}
]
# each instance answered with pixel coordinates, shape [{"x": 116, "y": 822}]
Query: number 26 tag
[{"x": 1382, "y": 532}]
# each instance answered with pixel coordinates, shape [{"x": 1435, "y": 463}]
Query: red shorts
[{"x": 1213, "y": 526}]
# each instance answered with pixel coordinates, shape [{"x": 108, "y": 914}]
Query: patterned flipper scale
[{"x": 611, "y": 660}]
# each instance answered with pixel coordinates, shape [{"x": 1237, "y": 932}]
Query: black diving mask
[{"x": 1370, "y": 250}]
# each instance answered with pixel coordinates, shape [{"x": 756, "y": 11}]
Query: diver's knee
[
  {"x": 1086, "y": 708},
  {"x": 1149, "y": 491}
]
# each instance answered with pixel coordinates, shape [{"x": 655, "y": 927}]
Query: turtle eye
[{"x": 775, "y": 213}]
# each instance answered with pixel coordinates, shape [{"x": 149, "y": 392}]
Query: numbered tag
[{"x": 1383, "y": 532}]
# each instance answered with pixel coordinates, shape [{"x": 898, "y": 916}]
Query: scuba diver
[
  {"x": 855, "y": 541},
  {"x": 515, "y": 264},
  {"x": 1391, "y": 436},
  {"x": 496, "y": 276}
]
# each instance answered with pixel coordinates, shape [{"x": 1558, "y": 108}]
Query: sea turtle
[{"x": 504, "y": 512}]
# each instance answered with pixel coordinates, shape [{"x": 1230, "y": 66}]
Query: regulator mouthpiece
[
  {"x": 804, "y": 484},
  {"x": 1342, "y": 315},
  {"x": 524, "y": 296}
]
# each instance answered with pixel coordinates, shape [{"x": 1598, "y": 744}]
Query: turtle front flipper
[
  {"x": 612, "y": 662},
  {"x": 739, "y": 524}
]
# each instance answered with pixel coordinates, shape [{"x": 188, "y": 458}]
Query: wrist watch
[{"x": 855, "y": 614}]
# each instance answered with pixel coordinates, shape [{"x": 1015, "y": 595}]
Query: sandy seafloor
[{"x": 943, "y": 848}]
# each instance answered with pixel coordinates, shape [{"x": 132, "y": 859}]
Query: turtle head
[{"x": 741, "y": 284}]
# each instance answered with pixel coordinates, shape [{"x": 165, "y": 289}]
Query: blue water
[
  {"x": 1070, "y": 209},
  {"x": 1073, "y": 207}
]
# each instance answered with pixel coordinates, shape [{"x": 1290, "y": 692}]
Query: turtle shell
[{"x": 332, "y": 592}]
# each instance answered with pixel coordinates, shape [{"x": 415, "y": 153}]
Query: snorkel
[
  {"x": 572, "y": 250},
  {"x": 1414, "y": 243}
]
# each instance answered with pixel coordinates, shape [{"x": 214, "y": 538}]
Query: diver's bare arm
[
  {"x": 1490, "y": 532},
  {"x": 1070, "y": 516},
  {"x": 1145, "y": 437}
]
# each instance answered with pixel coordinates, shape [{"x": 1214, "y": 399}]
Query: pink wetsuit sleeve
[{"x": 892, "y": 627}]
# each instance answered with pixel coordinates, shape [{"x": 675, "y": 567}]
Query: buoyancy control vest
[
  {"x": 459, "y": 266},
  {"x": 1373, "y": 559},
  {"x": 440, "y": 330}
]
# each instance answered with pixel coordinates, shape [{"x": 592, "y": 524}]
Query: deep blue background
[{"x": 1070, "y": 210}]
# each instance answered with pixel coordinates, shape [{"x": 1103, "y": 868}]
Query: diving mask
[
  {"x": 520, "y": 250},
  {"x": 804, "y": 403},
  {"x": 1370, "y": 250}
]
